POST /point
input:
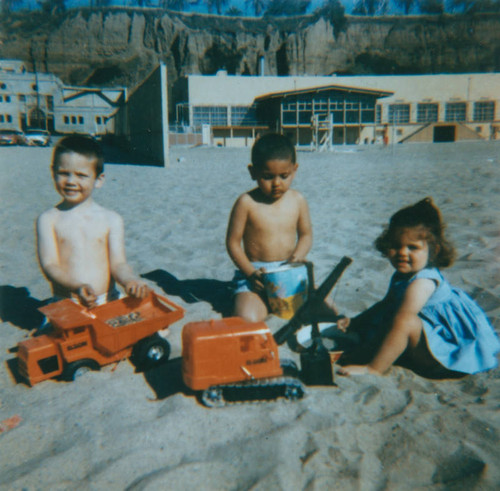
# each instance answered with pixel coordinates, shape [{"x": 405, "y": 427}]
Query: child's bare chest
[
  {"x": 273, "y": 218},
  {"x": 81, "y": 231}
]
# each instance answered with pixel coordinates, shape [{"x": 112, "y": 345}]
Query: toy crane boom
[{"x": 316, "y": 298}]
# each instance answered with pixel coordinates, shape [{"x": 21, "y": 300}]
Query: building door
[{"x": 444, "y": 134}]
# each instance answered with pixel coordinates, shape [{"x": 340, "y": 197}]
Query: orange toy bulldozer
[
  {"x": 84, "y": 339},
  {"x": 232, "y": 360}
]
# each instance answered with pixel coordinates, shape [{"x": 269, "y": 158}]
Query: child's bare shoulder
[{"x": 47, "y": 217}]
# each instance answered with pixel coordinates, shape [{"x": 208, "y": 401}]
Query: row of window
[
  {"x": 218, "y": 115},
  {"x": 81, "y": 119},
  {"x": 428, "y": 113},
  {"x": 73, "y": 119},
  {"x": 5, "y": 118}
]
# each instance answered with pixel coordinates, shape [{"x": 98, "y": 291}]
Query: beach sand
[{"x": 117, "y": 429}]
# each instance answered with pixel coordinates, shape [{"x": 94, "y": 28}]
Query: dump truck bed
[{"x": 118, "y": 324}]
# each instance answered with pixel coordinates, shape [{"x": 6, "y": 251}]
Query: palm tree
[
  {"x": 218, "y": 4},
  {"x": 258, "y": 6},
  {"x": 406, "y": 5},
  {"x": 287, "y": 7},
  {"x": 431, "y": 6}
]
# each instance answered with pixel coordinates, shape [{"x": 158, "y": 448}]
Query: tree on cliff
[
  {"x": 472, "y": 6},
  {"x": 7, "y": 5},
  {"x": 258, "y": 6},
  {"x": 287, "y": 7},
  {"x": 217, "y": 4},
  {"x": 52, "y": 6},
  {"x": 431, "y": 6},
  {"x": 406, "y": 5},
  {"x": 168, "y": 4},
  {"x": 333, "y": 11},
  {"x": 370, "y": 7}
]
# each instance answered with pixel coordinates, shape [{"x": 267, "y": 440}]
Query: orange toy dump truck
[
  {"x": 232, "y": 360},
  {"x": 84, "y": 339}
]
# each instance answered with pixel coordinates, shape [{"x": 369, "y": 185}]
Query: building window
[
  {"x": 50, "y": 103},
  {"x": 399, "y": 113},
  {"x": 34, "y": 87},
  {"x": 484, "y": 111},
  {"x": 80, "y": 120},
  {"x": 455, "y": 111},
  {"x": 1, "y": 98},
  {"x": 73, "y": 119},
  {"x": 378, "y": 113},
  {"x": 368, "y": 111},
  {"x": 7, "y": 98},
  {"x": 66, "y": 119},
  {"x": 9, "y": 118},
  {"x": 98, "y": 120},
  {"x": 2, "y": 119},
  {"x": 427, "y": 113},
  {"x": 2, "y": 85},
  {"x": 214, "y": 115},
  {"x": 289, "y": 116},
  {"x": 21, "y": 98},
  {"x": 243, "y": 115}
]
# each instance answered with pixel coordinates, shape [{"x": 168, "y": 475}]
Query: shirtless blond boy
[
  {"x": 81, "y": 245},
  {"x": 268, "y": 225}
]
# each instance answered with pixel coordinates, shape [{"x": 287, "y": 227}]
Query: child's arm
[
  {"x": 405, "y": 330},
  {"x": 304, "y": 233},
  {"x": 48, "y": 257},
  {"x": 234, "y": 238},
  {"x": 119, "y": 268}
]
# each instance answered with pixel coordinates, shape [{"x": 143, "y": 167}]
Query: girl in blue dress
[{"x": 439, "y": 329}]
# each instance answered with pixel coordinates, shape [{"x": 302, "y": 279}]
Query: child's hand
[
  {"x": 87, "y": 296},
  {"x": 343, "y": 323},
  {"x": 137, "y": 288},
  {"x": 256, "y": 280}
]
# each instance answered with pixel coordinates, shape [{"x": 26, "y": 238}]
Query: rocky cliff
[{"x": 121, "y": 46}]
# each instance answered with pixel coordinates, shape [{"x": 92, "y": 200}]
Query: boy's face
[
  {"x": 275, "y": 177},
  {"x": 75, "y": 177}
]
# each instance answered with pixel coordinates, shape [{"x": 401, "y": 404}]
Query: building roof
[{"x": 325, "y": 88}]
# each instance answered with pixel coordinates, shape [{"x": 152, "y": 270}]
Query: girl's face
[{"x": 409, "y": 251}]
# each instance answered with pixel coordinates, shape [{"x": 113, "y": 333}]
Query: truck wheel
[
  {"x": 151, "y": 351},
  {"x": 78, "y": 368}
]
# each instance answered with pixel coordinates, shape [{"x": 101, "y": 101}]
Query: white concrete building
[{"x": 445, "y": 107}]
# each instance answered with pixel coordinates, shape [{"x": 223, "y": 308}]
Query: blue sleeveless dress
[{"x": 457, "y": 331}]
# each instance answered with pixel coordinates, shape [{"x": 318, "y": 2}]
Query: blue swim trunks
[{"x": 240, "y": 281}]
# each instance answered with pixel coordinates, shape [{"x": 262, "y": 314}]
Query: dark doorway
[{"x": 444, "y": 134}]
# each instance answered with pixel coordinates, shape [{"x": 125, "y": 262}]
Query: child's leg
[
  {"x": 250, "y": 306},
  {"x": 405, "y": 332}
]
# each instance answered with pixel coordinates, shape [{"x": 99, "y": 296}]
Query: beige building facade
[{"x": 409, "y": 108}]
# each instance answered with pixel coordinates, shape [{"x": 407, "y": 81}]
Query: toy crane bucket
[{"x": 316, "y": 361}]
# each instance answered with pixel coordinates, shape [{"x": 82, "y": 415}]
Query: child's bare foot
[{"x": 349, "y": 370}]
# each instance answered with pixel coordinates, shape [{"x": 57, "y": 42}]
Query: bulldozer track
[{"x": 256, "y": 391}]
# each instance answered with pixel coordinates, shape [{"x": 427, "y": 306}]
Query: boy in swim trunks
[
  {"x": 268, "y": 226},
  {"x": 81, "y": 245}
]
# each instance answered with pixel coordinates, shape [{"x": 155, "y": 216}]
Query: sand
[{"x": 118, "y": 429}]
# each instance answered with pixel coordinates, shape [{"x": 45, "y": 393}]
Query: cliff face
[{"x": 121, "y": 46}]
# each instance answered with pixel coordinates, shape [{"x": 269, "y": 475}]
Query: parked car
[
  {"x": 12, "y": 137},
  {"x": 36, "y": 137}
]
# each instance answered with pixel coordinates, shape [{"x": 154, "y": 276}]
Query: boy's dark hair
[
  {"x": 82, "y": 145},
  {"x": 272, "y": 146},
  {"x": 425, "y": 215}
]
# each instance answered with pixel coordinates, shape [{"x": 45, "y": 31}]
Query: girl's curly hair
[{"x": 425, "y": 215}]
